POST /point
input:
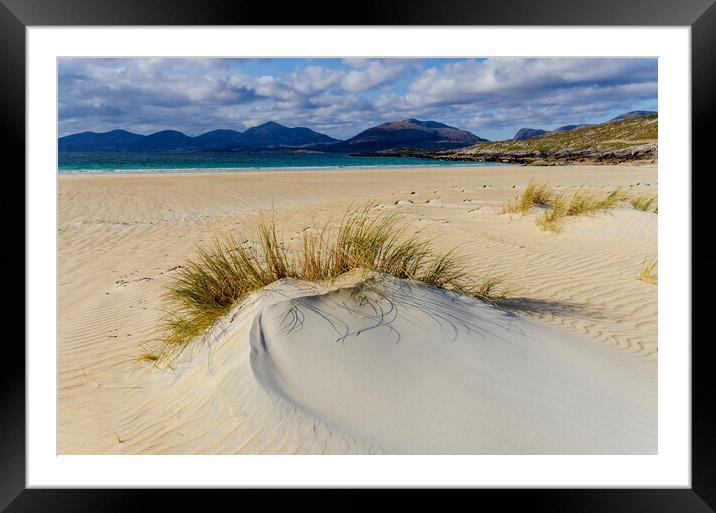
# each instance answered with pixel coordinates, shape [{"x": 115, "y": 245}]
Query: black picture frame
[{"x": 17, "y": 15}]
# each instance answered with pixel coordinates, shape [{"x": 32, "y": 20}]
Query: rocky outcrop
[{"x": 645, "y": 153}]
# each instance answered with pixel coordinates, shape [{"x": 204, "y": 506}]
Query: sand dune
[
  {"x": 419, "y": 370},
  {"x": 121, "y": 239}
]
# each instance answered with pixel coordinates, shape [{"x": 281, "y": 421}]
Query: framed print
[{"x": 418, "y": 248}]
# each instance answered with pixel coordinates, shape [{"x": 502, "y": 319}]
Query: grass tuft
[
  {"x": 540, "y": 195},
  {"x": 582, "y": 202},
  {"x": 226, "y": 272},
  {"x": 645, "y": 203},
  {"x": 559, "y": 206},
  {"x": 648, "y": 272},
  {"x": 552, "y": 218}
]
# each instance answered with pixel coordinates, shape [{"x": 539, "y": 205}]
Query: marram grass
[
  {"x": 645, "y": 203},
  {"x": 582, "y": 202},
  {"x": 648, "y": 273},
  {"x": 535, "y": 195},
  {"x": 558, "y": 206},
  {"x": 227, "y": 271}
]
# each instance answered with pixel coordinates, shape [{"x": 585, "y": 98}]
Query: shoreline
[
  {"x": 469, "y": 165},
  {"x": 163, "y": 171}
]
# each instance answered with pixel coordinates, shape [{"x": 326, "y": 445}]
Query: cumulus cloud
[
  {"x": 517, "y": 78},
  {"x": 371, "y": 73},
  {"x": 490, "y": 97}
]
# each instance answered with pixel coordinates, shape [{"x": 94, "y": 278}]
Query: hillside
[
  {"x": 528, "y": 133},
  {"x": 629, "y": 139},
  {"x": 633, "y": 113},
  {"x": 116, "y": 140},
  {"x": 219, "y": 139},
  {"x": 406, "y": 133},
  {"x": 272, "y": 134}
]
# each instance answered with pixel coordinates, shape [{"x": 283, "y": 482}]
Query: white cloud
[
  {"x": 519, "y": 78},
  {"x": 371, "y": 74},
  {"x": 313, "y": 80}
]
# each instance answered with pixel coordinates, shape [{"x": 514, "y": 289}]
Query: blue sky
[{"x": 491, "y": 97}]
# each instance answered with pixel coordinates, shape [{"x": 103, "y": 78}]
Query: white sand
[
  {"x": 417, "y": 370},
  {"x": 570, "y": 369}
]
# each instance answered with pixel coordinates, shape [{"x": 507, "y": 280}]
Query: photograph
[{"x": 358, "y": 255}]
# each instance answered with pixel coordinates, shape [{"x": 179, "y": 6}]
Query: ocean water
[{"x": 115, "y": 162}]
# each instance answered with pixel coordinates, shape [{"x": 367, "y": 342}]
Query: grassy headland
[{"x": 633, "y": 139}]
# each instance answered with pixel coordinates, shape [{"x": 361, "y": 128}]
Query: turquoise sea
[{"x": 115, "y": 162}]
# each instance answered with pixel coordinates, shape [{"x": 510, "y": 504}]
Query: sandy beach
[{"x": 575, "y": 371}]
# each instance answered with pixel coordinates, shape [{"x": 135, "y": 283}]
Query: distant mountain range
[
  {"x": 527, "y": 133},
  {"x": 408, "y": 133},
  {"x": 268, "y": 135}
]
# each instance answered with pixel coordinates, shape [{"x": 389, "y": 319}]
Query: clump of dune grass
[
  {"x": 648, "y": 272},
  {"x": 534, "y": 195},
  {"x": 226, "y": 272},
  {"x": 582, "y": 202},
  {"x": 645, "y": 203},
  {"x": 551, "y": 219}
]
